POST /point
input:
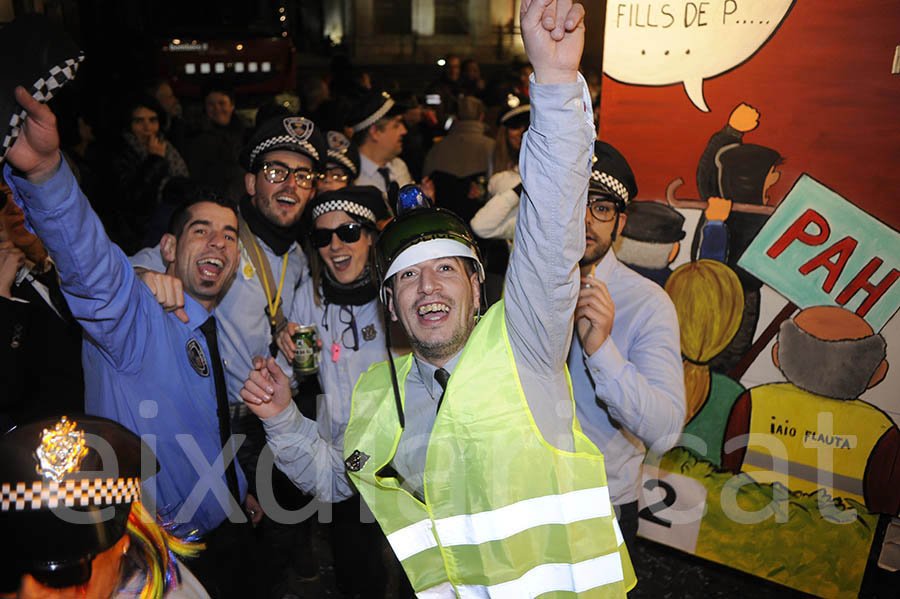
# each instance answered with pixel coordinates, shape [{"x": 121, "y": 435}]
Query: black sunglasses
[{"x": 348, "y": 233}]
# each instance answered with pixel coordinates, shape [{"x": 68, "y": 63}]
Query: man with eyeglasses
[
  {"x": 625, "y": 359},
  {"x": 284, "y": 159}
]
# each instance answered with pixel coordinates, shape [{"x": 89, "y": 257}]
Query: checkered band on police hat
[
  {"x": 342, "y": 160},
  {"x": 346, "y": 206},
  {"x": 342, "y": 153},
  {"x": 291, "y": 134},
  {"x": 364, "y": 201},
  {"x": 51, "y": 494},
  {"x": 282, "y": 141},
  {"x": 611, "y": 183},
  {"x": 611, "y": 172},
  {"x": 42, "y": 90}
]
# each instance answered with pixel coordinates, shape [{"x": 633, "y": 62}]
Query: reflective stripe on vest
[
  {"x": 475, "y": 529},
  {"x": 818, "y": 442},
  {"x": 502, "y": 506},
  {"x": 546, "y": 578}
]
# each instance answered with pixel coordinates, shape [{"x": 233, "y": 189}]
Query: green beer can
[{"x": 306, "y": 350}]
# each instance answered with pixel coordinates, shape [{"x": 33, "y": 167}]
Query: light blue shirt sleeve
[
  {"x": 644, "y": 391},
  {"x": 542, "y": 279},
  {"x": 96, "y": 278}
]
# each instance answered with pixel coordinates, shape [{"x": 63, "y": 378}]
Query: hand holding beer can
[{"x": 306, "y": 354}]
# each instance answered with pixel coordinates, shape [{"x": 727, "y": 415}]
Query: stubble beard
[
  {"x": 594, "y": 254},
  {"x": 438, "y": 351}
]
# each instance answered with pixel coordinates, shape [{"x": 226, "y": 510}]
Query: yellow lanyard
[{"x": 273, "y": 305}]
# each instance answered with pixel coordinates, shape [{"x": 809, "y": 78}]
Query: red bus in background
[{"x": 251, "y": 66}]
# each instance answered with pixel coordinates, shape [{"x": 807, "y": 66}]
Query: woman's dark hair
[{"x": 140, "y": 100}]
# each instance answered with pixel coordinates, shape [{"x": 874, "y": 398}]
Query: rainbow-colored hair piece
[{"x": 157, "y": 548}]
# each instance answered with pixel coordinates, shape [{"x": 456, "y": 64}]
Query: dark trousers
[
  {"x": 285, "y": 548},
  {"x": 359, "y": 549},
  {"x": 627, "y": 515},
  {"x": 226, "y": 567}
]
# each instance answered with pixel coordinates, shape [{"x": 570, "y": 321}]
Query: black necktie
[
  {"x": 50, "y": 281},
  {"x": 441, "y": 376},
  {"x": 208, "y": 329},
  {"x": 391, "y": 188},
  {"x": 385, "y": 173}
]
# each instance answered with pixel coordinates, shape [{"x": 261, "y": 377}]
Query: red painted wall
[{"x": 827, "y": 101}]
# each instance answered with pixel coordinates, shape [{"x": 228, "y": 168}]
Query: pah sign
[
  {"x": 818, "y": 249},
  {"x": 665, "y": 42}
]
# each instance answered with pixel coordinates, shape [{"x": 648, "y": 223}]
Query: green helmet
[{"x": 419, "y": 234}]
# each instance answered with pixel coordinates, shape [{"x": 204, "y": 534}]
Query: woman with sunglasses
[{"x": 340, "y": 299}]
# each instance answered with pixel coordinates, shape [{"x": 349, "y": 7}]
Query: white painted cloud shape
[{"x": 676, "y": 41}]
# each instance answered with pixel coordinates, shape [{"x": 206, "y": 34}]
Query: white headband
[{"x": 429, "y": 250}]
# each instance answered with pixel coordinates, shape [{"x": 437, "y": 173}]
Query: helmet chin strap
[{"x": 394, "y": 383}]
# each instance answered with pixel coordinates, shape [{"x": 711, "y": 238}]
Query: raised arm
[
  {"x": 542, "y": 279},
  {"x": 96, "y": 278}
]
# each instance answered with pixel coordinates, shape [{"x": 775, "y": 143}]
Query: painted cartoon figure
[
  {"x": 650, "y": 240},
  {"x": 732, "y": 173},
  {"x": 710, "y": 395},
  {"x": 832, "y": 439}
]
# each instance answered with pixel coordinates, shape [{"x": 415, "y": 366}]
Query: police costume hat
[
  {"x": 611, "y": 175},
  {"x": 291, "y": 133},
  {"x": 653, "y": 222},
  {"x": 365, "y": 201},
  {"x": 343, "y": 152},
  {"x": 371, "y": 108},
  {"x": 39, "y": 56},
  {"x": 67, "y": 489},
  {"x": 516, "y": 113},
  {"x": 421, "y": 232}
]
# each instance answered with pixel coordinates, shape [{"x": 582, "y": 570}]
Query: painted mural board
[
  {"x": 677, "y": 41},
  {"x": 763, "y": 529},
  {"x": 817, "y": 249}
]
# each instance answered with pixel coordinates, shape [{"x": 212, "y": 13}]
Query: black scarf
[
  {"x": 277, "y": 238},
  {"x": 358, "y": 293}
]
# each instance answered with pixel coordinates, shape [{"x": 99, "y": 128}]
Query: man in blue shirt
[
  {"x": 625, "y": 359},
  {"x": 144, "y": 367}
]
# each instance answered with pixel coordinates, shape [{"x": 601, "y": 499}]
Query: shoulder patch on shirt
[
  {"x": 197, "y": 358},
  {"x": 369, "y": 332},
  {"x": 247, "y": 271}
]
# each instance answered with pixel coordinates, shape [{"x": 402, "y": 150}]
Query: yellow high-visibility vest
[{"x": 505, "y": 513}]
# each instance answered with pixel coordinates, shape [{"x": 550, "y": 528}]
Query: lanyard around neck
[{"x": 272, "y": 302}]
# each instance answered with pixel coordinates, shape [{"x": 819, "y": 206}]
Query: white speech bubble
[{"x": 675, "y": 41}]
